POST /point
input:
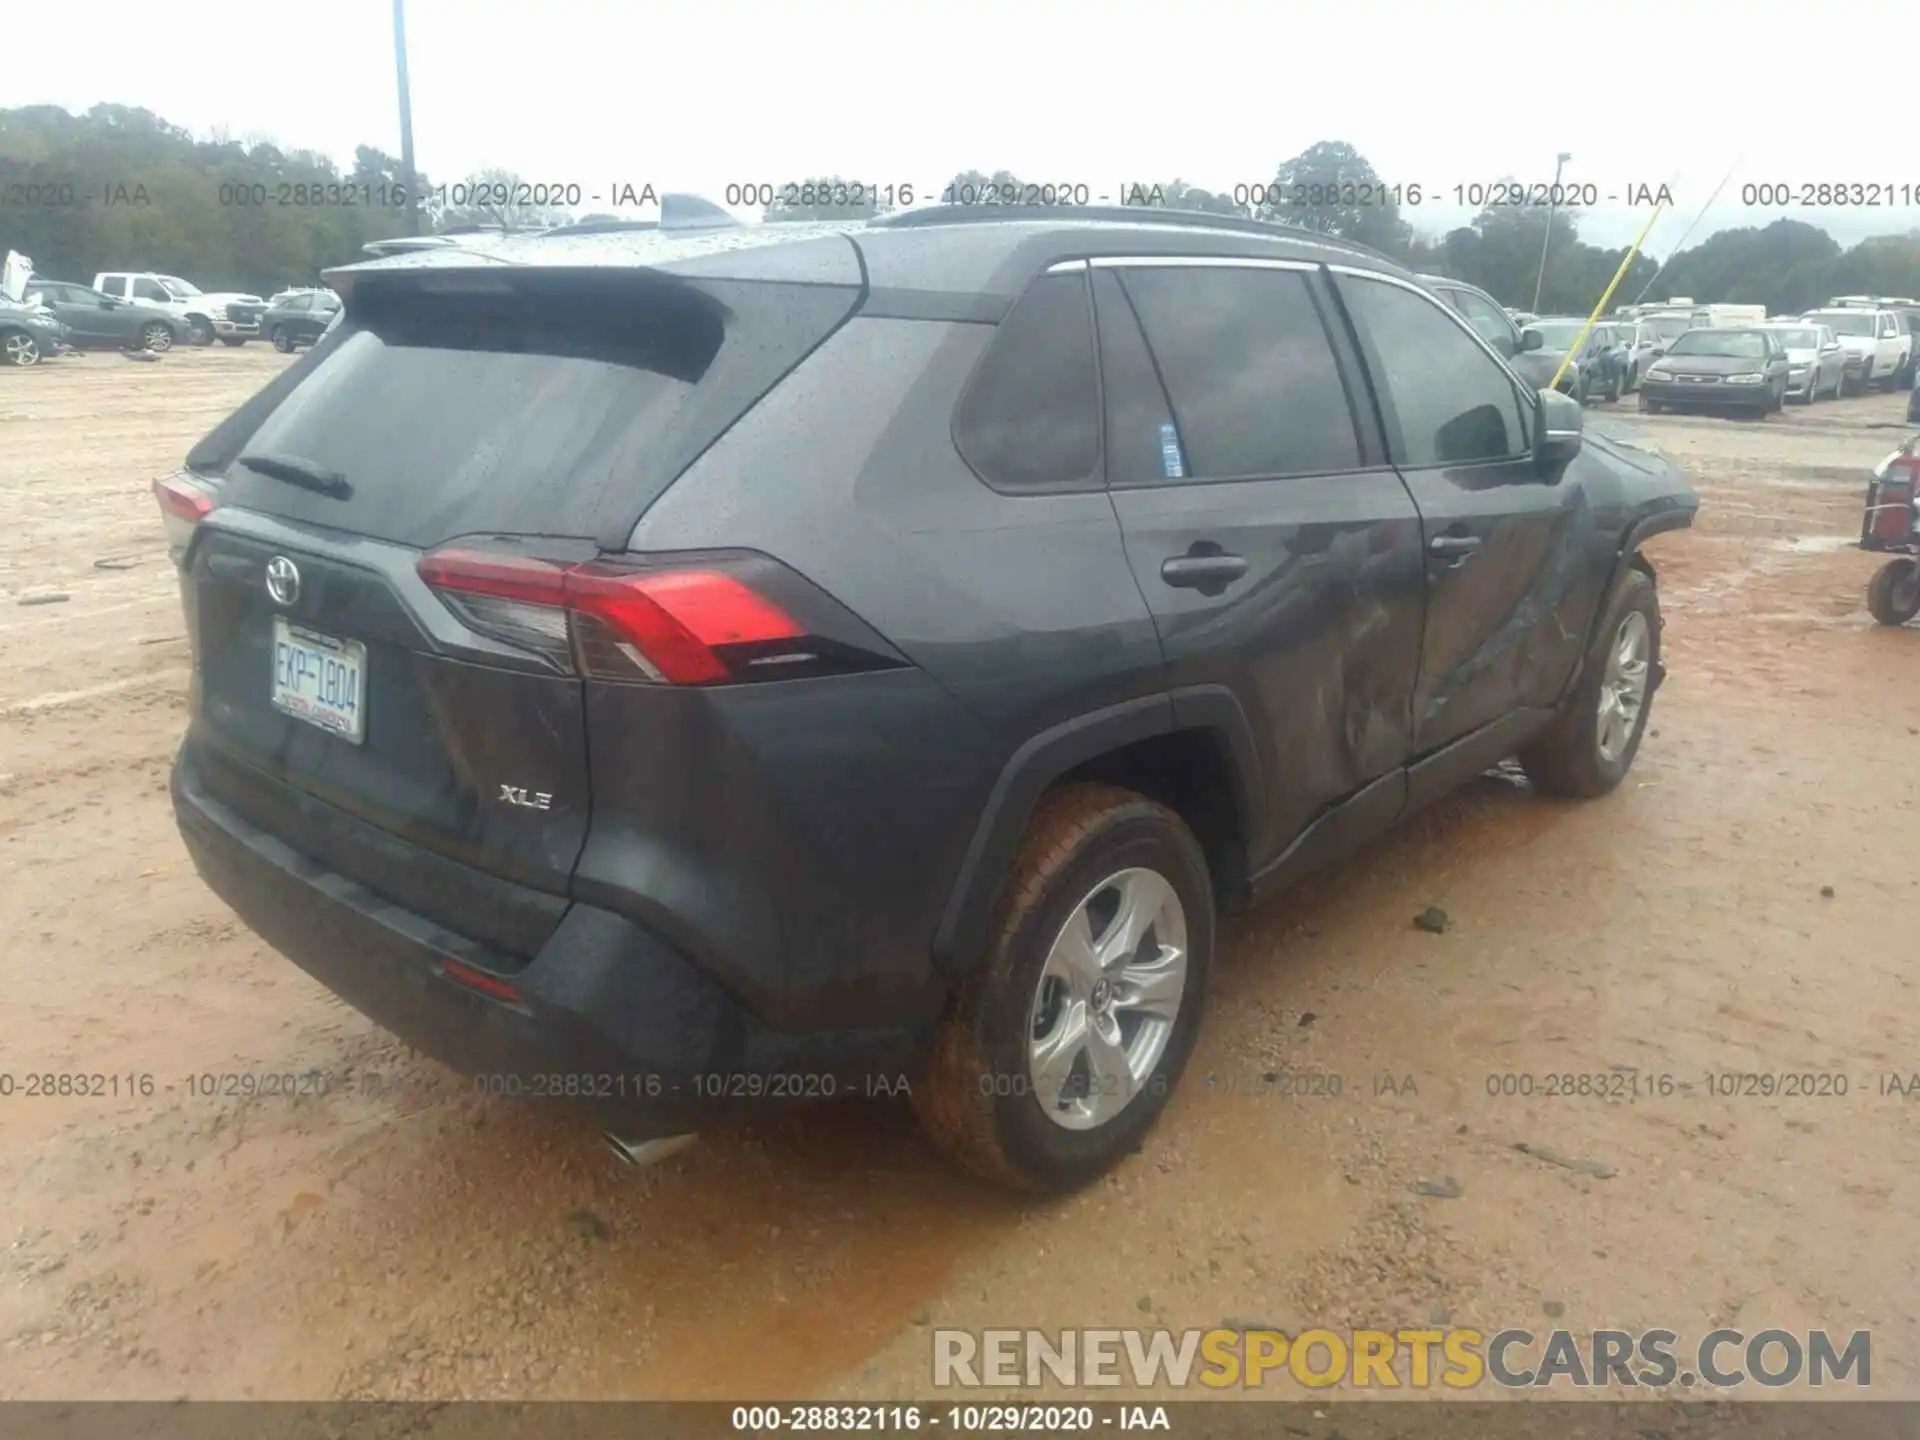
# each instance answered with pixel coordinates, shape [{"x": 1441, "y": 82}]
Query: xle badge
[{"x": 526, "y": 799}]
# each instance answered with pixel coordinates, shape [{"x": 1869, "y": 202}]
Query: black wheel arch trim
[
  {"x": 959, "y": 941},
  {"x": 1673, "y": 512}
]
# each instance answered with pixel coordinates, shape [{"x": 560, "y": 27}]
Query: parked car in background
[
  {"x": 517, "y": 724},
  {"x": 95, "y": 321},
  {"x": 299, "y": 319},
  {"x": 1816, "y": 365},
  {"x": 233, "y": 316},
  {"x": 1878, "y": 343},
  {"x": 1616, "y": 358},
  {"x": 1593, "y": 371},
  {"x": 1743, "y": 369},
  {"x": 30, "y": 333},
  {"x": 1906, "y": 307},
  {"x": 1495, "y": 326},
  {"x": 1666, "y": 327},
  {"x": 1639, "y": 340}
]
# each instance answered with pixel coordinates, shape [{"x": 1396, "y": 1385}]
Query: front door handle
[
  {"x": 1451, "y": 545},
  {"x": 1202, "y": 572}
]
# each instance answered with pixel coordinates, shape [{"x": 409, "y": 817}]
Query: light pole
[
  {"x": 1553, "y": 200},
  {"x": 407, "y": 177}
]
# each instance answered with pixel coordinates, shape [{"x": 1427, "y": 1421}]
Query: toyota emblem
[{"x": 283, "y": 580}]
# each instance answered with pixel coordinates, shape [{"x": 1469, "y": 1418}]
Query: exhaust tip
[{"x": 638, "y": 1153}]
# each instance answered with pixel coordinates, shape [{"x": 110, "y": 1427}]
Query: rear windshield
[{"x": 553, "y": 403}]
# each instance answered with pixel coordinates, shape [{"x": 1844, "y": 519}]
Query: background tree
[
  {"x": 491, "y": 197},
  {"x": 1312, "y": 188},
  {"x": 119, "y": 188}
]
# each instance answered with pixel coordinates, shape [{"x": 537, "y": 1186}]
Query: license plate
[{"x": 320, "y": 680}]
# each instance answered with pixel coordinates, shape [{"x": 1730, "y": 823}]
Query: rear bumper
[{"x": 610, "y": 1021}]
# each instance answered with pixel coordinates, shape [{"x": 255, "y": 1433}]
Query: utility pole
[
  {"x": 407, "y": 176},
  {"x": 1553, "y": 200}
]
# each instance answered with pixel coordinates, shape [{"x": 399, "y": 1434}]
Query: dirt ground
[{"x": 400, "y": 1237}]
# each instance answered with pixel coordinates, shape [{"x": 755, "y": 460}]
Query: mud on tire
[
  {"x": 978, "y": 1103},
  {"x": 1567, "y": 759}
]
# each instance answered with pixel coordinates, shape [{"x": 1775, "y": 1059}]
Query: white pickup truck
[
  {"x": 1877, "y": 342},
  {"x": 232, "y": 316}
]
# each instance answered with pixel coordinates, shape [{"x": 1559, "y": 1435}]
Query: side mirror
[
  {"x": 1530, "y": 339},
  {"x": 1659, "y": 350},
  {"x": 108, "y": 302},
  {"x": 1557, "y": 430}
]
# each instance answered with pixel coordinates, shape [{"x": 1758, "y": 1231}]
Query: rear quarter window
[{"x": 1029, "y": 418}]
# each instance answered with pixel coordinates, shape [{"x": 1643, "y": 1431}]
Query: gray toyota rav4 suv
[{"x": 684, "y": 672}]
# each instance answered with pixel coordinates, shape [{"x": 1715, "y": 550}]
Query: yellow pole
[{"x": 1614, "y": 284}]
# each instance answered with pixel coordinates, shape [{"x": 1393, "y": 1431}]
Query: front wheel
[
  {"x": 19, "y": 348},
  {"x": 199, "y": 330},
  {"x": 1893, "y": 595},
  {"x": 1588, "y": 748},
  {"x": 233, "y": 342},
  {"x": 1614, "y": 388},
  {"x": 1652, "y": 407},
  {"x": 1058, "y": 1054}
]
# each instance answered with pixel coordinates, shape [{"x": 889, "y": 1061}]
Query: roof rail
[{"x": 1124, "y": 215}]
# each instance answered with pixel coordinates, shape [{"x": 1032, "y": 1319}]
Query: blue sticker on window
[{"x": 1170, "y": 453}]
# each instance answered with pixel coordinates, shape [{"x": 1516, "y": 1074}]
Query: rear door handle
[
  {"x": 1198, "y": 572},
  {"x": 1453, "y": 544}
]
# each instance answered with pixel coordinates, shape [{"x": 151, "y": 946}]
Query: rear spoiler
[{"x": 677, "y": 212}]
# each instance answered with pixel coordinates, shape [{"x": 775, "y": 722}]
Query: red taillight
[
  {"x": 663, "y": 624},
  {"x": 479, "y": 980},
  {"x": 183, "y": 505},
  {"x": 676, "y": 619},
  {"x": 182, "y": 499}
]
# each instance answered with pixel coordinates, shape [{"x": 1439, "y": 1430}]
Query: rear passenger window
[
  {"x": 1455, "y": 403},
  {"x": 1248, "y": 369},
  {"x": 1030, "y": 417}
]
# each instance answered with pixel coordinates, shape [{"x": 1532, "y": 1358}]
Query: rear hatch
[{"x": 433, "y": 748}]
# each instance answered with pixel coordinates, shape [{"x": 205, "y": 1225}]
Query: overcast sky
[{"x": 698, "y": 94}]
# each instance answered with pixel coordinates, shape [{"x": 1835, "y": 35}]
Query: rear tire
[
  {"x": 282, "y": 341},
  {"x": 1591, "y": 744},
  {"x": 233, "y": 342},
  {"x": 156, "y": 337},
  {"x": 1893, "y": 595},
  {"x": 999, "y": 1099}
]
